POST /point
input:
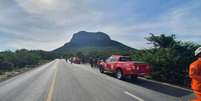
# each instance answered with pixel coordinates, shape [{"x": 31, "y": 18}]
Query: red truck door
[
  {"x": 110, "y": 63},
  {"x": 113, "y": 62}
]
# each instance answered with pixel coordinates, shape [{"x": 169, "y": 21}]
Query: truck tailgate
[{"x": 142, "y": 68}]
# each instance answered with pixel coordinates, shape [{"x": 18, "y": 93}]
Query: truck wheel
[
  {"x": 119, "y": 74},
  {"x": 101, "y": 69}
]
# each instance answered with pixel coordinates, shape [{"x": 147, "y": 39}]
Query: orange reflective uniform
[
  {"x": 198, "y": 95},
  {"x": 195, "y": 75}
]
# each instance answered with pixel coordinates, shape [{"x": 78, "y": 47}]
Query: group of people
[
  {"x": 75, "y": 60},
  {"x": 94, "y": 62}
]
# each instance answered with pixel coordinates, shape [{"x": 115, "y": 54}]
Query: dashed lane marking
[{"x": 133, "y": 96}]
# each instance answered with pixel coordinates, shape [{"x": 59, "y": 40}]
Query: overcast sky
[{"x": 48, "y": 24}]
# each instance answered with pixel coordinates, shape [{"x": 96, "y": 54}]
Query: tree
[
  {"x": 1, "y": 59},
  {"x": 169, "y": 58},
  {"x": 162, "y": 41},
  {"x": 80, "y": 54}
]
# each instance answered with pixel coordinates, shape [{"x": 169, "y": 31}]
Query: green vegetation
[
  {"x": 169, "y": 58},
  {"x": 10, "y": 61}
]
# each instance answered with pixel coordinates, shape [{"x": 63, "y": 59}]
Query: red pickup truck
[{"x": 123, "y": 66}]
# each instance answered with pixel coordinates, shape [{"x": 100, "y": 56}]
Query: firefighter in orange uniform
[{"x": 195, "y": 75}]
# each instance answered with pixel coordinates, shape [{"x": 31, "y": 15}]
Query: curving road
[{"x": 61, "y": 81}]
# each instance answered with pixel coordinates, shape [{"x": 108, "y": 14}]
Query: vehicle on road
[
  {"x": 75, "y": 60},
  {"x": 123, "y": 66}
]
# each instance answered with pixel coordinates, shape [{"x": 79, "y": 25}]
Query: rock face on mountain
[{"x": 92, "y": 40}]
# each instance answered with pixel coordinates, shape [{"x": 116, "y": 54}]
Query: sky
[{"x": 49, "y": 24}]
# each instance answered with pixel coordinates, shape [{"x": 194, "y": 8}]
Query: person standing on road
[
  {"x": 71, "y": 60},
  {"x": 195, "y": 75},
  {"x": 91, "y": 62}
]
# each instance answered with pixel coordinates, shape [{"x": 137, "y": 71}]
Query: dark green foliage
[
  {"x": 162, "y": 41},
  {"x": 169, "y": 58},
  {"x": 22, "y": 58}
]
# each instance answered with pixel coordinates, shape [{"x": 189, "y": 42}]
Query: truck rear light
[{"x": 138, "y": 68}]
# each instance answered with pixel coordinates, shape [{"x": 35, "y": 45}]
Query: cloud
[
  {"x": 48, "y": 24},
  {"x": 46, "y": 21},
  {"x": 182, "y": 20}
]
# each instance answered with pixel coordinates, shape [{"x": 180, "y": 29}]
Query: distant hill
[{"x": 92, "y": 41}]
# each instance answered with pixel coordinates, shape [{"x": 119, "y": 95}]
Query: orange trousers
[{"x": 198, "y": 96}]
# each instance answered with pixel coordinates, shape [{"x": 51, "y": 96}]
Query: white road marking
[{"x": 133, "y": 96}]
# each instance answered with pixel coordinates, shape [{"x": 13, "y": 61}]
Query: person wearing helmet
[{"x": 195, "y": 75}]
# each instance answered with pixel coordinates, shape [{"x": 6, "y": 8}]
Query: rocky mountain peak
[{"x": 84, "y": 36}]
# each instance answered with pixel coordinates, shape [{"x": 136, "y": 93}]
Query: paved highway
[{"x": 61, "y": 81}]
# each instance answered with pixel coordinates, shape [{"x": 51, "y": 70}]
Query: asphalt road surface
[{"x": 61, "y": 81}]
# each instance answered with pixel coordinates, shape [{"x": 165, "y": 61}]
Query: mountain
[{"x": 87, "y": 41}]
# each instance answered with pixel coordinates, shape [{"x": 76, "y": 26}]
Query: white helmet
[{"x": 197, "y": 51}]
